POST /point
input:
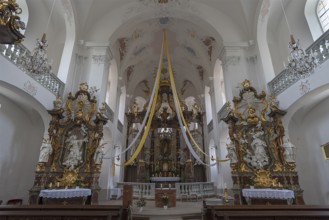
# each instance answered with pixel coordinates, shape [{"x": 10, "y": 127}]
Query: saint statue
[
  {"x": 165, "y": 148},
  {"x": 147, "y": 156},
  {"x": 290, "y": 150},
  {"x": 181, "y": 156},
  {"x": 98, "y": 156},
  {"x": 195, "y": 110},
  {"x": 75, "y": 155},
  {"x": 45, "y": 151},
  {"x": 231, "y": 154},
  {"x": 259, "y": 146},
  {"x": 135, "y": 108}
]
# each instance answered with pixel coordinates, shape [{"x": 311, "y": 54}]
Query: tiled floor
[{"x": 175, "y": 213}]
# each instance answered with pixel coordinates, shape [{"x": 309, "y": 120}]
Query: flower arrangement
[
  {"x": 141, "y": 202},
  {"x": 165, "y": 199}
]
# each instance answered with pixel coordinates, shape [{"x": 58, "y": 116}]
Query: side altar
[
  {"x": 72, "y": 154},
  {"x": 260, "y": 152}
]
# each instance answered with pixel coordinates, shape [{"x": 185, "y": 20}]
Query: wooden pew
[
  {"x": 266, "y": 212},
  {"x": 62, "y": 212}
]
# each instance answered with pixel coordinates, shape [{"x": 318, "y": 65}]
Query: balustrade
[
  {"x": 14, "y": 52},
  {"x": 284, "y": 79},
  {"x": 201, "y": 189},
  {"x": 147, "y": 190}
]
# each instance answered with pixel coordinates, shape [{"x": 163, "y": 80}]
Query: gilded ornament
[
  {"x": 53, "y": 168},
  {"x": 40, "y": 167},
  {"x": 252, "y": 117},
  {"x": 278, "y": 167},
  {"x": 263, "y": 179},
  {"x": 69, "y": 178},
  {"x": 244, "y": 168}
]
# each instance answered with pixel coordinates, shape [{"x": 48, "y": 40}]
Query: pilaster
[{"x": 99, "y": 56}]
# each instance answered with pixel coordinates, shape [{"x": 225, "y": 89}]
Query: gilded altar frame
[
  {"x": 75, "y": 132},
  {"x": 258, "y": 149}
]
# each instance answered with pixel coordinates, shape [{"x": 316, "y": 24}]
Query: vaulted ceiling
[
  {"x": 196, "y": 29},
  {"x": 194, "y": 42}
]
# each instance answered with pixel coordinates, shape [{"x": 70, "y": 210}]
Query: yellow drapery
[
  {"x": 148, "y": 124},
  {"x": 173, "y": 86}
]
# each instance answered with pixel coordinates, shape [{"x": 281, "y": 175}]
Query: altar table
[
  {"x": 65, "y": 194},
  {"x": 283, "y": 194}
]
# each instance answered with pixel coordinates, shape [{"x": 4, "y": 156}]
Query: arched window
[{"x": 323, "y": 14}]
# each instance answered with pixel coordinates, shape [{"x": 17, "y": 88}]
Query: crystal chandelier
[
  {"x": 10, "y": 23},
  {"x": 301, "y": 64},
  {"x": 37, "y": 63}
]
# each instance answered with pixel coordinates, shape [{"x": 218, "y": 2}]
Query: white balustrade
[
  {"x": 14, "y": 52},
  {"x": 201, "y": 189},
  {"x": 145, "y": 190},
  {"x": 284, "y": 80}
]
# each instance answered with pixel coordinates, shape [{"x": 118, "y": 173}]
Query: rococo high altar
[{"x": 165, "y": 157}]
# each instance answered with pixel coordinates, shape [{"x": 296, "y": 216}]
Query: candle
[
  {"x": 57, "y": 184},
  {"x": 169, "y": 185},
  {"x": 161, "y": 185}
]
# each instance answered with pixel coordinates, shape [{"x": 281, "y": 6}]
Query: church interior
[{"x": 189, "y": 107}]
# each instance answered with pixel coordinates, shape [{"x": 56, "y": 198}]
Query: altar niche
[
  {"x": 165, "y": 153},
  {"x": 72, "y": 155},
  {"x": 259, "y": 151}
]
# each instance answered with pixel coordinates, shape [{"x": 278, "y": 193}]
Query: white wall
[
  {"x": 21, "y": 133},
  {"x": 308, "y": 130}
]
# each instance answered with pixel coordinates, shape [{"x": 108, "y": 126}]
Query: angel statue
[
  {"x": 99, "y": 153},
  {"x": 231, "y": 154},
  {"x": 58, "y": 103}
]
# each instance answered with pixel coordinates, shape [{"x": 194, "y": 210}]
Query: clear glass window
[{"x": 323, "y": 14}]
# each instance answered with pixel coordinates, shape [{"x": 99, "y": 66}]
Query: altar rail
[
  {"x": 266, "y": 212},
  {"x": 49, "y": 81},
  {"x": 284, "y": 80},
  {"x": 147, "y": 190},
  {"x": 201, "y": 189},
  {"x": 99, "y": 212}
]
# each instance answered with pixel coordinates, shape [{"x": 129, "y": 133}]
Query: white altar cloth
[
  {"x": 64, "y": 193},
  {"x": 165, "y": 179},
  {"x": 268, "y": 194}
]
